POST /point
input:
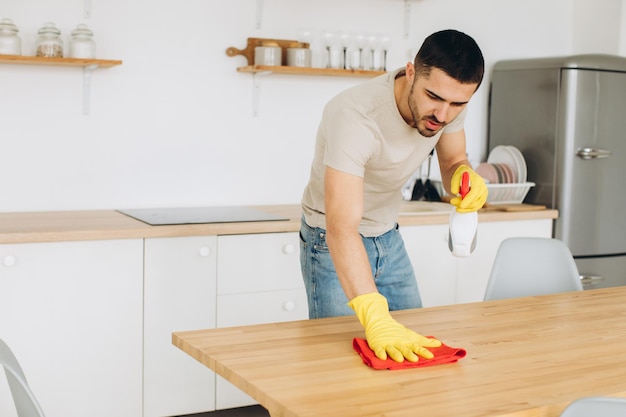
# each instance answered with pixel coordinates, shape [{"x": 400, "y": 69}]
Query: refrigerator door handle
[
  {"x": 592, "y": 153},
  {"x": 591, "y": 281}
]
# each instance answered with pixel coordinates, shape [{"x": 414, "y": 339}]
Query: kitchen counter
[
  {"x": 130, "y": 279},
  {"x": 57, "y": 226}
]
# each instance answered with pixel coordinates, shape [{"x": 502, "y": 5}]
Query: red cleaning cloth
[{"x": 443, "y": 354}]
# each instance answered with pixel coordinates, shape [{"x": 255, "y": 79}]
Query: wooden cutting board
[
  {"x": 504, "y": 207},
  {"x": 248, "y": 51},
  {"x": 513, "y": 207}
]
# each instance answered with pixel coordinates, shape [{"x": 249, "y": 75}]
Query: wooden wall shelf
[
  {"x": 309, "y": 71},
  {"x": 88, "y": 65},
  {"x": 259, "y": 70},
  {"x": 68, "y": 62}
]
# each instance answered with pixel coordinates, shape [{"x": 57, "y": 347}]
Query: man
[{"x": 371, "y": 140}]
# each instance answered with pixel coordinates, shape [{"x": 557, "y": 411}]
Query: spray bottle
[{"x": 463, "y": 226}]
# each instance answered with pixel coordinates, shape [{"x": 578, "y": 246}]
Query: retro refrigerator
[{"x": 567, "y": 116}]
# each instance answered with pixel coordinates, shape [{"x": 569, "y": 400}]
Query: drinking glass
[
  {"x": 329, "y": 38},
  {"x": 360, "y": 42},
  {"x": 344, "y": 40},
  {"x": 385, "y": 44},
  {"x": 376, "y": 52}
]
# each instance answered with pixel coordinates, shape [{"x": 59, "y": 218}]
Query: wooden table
[{"x": 525, "y": 357}]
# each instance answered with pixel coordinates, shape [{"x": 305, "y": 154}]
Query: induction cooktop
[{"x": 200, "y": 215}]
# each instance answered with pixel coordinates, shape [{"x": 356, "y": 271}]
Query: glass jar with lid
[
  {"x": 10, "y": 43},
  {"x": 82, "y": 44},
  {"x": 49, "y": 43}
]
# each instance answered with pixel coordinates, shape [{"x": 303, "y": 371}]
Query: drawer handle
[
  {"x": 9, "y": 261},
  {"x": 289, "y": 306},
  {"x": 288, "y": 249},
  {"x": 205, "y": 251}
]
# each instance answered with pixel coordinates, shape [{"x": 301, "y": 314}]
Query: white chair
[
  {"x": 596, "y": 407},
  {"x": 25, "y": 402},
  {"x": 528, "y": 266}
]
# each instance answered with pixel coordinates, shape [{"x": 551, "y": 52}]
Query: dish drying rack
[{"x": 510, "y": 193}]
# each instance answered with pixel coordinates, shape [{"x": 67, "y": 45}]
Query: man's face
[{"x": 435, "y": 100}]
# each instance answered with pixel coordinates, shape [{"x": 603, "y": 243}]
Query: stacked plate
[
  {"x": 505, "y": 165},
  {"x": 505, "y": 173}
]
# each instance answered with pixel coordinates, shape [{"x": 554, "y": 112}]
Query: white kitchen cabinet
[
  {"x": 179, "y": 294},
  {"x": 444, "y": 279},
  {"x": 259, "y": 281},
  {"x": 435, "y": 269},
  {"x": 71, "y": 312}
]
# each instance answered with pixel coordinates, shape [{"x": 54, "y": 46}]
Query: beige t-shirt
[{"x": 362, "y": 133}]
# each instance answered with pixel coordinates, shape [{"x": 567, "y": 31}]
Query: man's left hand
[{"x": 477, "y": 195}]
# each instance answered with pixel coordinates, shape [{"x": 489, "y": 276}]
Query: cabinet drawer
[
  {"x": 261, "y": 307},
  {"x": 257, "y": 263}
]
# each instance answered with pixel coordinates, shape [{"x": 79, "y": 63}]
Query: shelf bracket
[
  {"x": 256, "y": 90},
  {"x": 87, "y": 9},
  {"x": 259, "y": 13},
  {"x": 407, "y": 18},
  {"x": 87, "y": 70}
]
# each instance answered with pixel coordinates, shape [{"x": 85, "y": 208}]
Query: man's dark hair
[{"x": 453, "y": 52}]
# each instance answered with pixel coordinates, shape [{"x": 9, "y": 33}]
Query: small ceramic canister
[
  {"x": 268, "y": 55},
  {"x": 82, "y": 44},
  {"x": 299, "y": 57},
  {"x": 10, "y": 43}
]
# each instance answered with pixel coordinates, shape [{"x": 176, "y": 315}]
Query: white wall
[
  {"x": 622, "y": 29},
  {"x": 596, "y": 29},
  {"x": 173, "y": 125}
]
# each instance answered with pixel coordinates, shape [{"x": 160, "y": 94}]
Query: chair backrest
[
  {"x": 596, "y": 407},
  {"x": 528, "y": 266},
  {"x": 25, "y": 402}
]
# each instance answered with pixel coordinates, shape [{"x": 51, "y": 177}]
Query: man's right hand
[{"x": 385, "y": 336}]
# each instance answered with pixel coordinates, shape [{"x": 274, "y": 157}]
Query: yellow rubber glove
[
  {"x": 384, "y": 335},
  {"x": 477, "y": 196}
]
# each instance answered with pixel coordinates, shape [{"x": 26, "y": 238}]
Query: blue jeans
[{"x": 391, "y": 268}]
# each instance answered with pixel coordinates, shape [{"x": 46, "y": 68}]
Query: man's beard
[{"x": 416, "y": 118}]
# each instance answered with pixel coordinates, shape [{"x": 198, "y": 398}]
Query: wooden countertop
[
  {"x": 526, "y": 357},
  {"x": 55, "y": 226}
]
